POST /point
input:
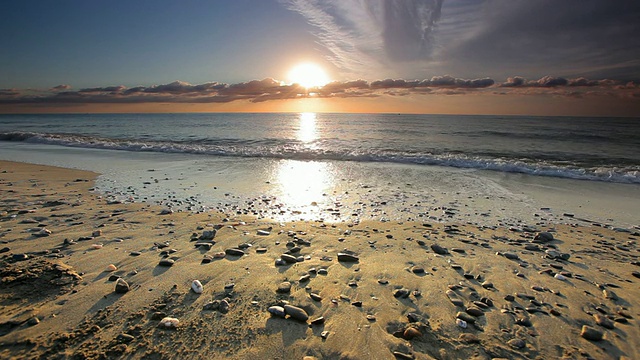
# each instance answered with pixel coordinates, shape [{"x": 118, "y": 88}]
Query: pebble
[
  {"x": 345, "y": 257},
  {"x": 296, "y": 313},
  {"x": 197, "y": 287},
  {"x": 603, "y": 321},
  {"x": 411, "y": 333},
  {"x": 466, "y": 317},
  {"x": 125, "y": 338},
  {"x": 289, "y": 259},
  {"x": 590, "y": 333},
  {"x": 318, "y": 321},
  {"x": 417, "y": 270},
  {"x": 263, "y": 232},
  {"x": 469, "y": 338},
  {"x": 277, "y": 311},
  {"x": 543, "y": 237},
  {"x": 169, "y": 323},
  {"x": 474, "y": 311},
  {"x": 234, "y": 252},
  {"x": 110, "y": 268},
  {"x": 609, "y": 294},
  {"x": 439, "y": 249},
  {"x": 33, "y": 321},
  {"x": 20, "y": 257},
  {"x": 517, "y": 343},
  {"x": 315, "y": 297},
  {"x": 166, "y": 262},
  {"x": 487, "y": 285},
  {"x": 135, "y": 253},
  {"x": 511, "y": 256},
  {"x": 121, "y": 286},
  {"x": 284, "y": 287},
  {"x": 461, "y": 323},
  {"x": 114, "y": 277},
  {"x": 401, "y": 293}
]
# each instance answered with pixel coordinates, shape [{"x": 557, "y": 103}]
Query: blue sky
[{"x": 78, "y": 44}]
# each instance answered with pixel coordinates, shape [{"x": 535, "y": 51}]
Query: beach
[{"x": 293, "y": 289}]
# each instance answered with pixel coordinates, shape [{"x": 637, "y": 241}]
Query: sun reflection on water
[
  {"x": 304, "y": 184},
  {"x": 307, "y": 129}
]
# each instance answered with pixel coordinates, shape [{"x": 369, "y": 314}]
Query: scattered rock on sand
[
  {"x": 166, "y": 262},
  {"x": 277, "y": 311},
  {"x": 439, "y": 249},
  {"x": 296, "y": 313},
  {"x": 590, "y": 333},
  {"x": 543, "y": 237},
  {"x": 197, "y": 287},
  {"x": 603, "y": 321},
  {"x": 284, "y": 287},
  {"x": 121, "y": 286},
  {"x": 169, "y": 323},
  {"x": 346, "y": 257},
  {"x": 234, "y": 252}
]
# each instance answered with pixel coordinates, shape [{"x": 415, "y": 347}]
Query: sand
[{"x": 400, "y": 299}]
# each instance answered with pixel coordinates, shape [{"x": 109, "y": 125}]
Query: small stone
[
  {"x": 401, "y": 293},
  {"x": 474, "y": 311},
  {"x": 345, "y": 257},
  {"x": 461, "y": 323},
  {"x": 318, "y": 321},
  {"x": 523, "y": 321},
  {"x": 511, "y": 256},
  {"x": 234, "y": 252},
  {"x": 315, "y": 297},
  {"x": 263, "y": 232},
  {"x": 33, "y": 321},
  {"x": 20, "y": 257},
  {"x": 517, "y": 343},
  {"x": 197, "y": 287},
  {"x": 439, "y": 249},
  {"x": 603, "y": 321},
  {"x": 590, "y": 333},
  {"x": 609, "y": 294},
  {"x": 487, "y": 285},
  {"x": 417, "y": 270},
  {"x": 543, "y": 237},
  {"x": 411, "y": 333},
  {"x": 509, "y": 297},
  {"x": 125, "y": 338},
  {"x": 214, "y": 305},
  {"x": 324, "y": 334},
  {"x": 466, "y": 317},
  {"x": 277, "y": 311},
  {"x": 135, "y": 253},
  {"x": 296, "y": 313},
  {"x": 121, "y": 286},
  {"x": 284, "y": 287},
  {"x": 110, "y": 268},
  {"x": 289, "y": 259},
  {"x": 169, "y": 323},
  {"x": 166, "y": 262},
  {"x": 224, "y": 306},
  {"x": 469, "y": 338}
]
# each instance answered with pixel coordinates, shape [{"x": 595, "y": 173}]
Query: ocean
[{"x": 341, "y": 166}]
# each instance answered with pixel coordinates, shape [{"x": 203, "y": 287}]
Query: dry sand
[{"x": 399, "y": 299}]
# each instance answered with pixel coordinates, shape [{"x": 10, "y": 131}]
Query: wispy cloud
[
  {"x": 372, "y": 37},
  {"x": 271, "y": 89}
]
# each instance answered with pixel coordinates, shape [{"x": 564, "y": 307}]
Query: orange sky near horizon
[{"x": 479, "y": 104}]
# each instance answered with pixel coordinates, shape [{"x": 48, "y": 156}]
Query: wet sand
[{"x": 370, "y": 290}]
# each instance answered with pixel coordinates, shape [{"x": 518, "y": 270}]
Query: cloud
[
  {"x": 270, "y": 89},
  {"x": 373, "y": 36},
  {"x": 589, "y": 38},
  {"x": 61, "y": 87}
]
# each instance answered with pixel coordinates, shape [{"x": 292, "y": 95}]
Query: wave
[{"x": 622, "y": 172}]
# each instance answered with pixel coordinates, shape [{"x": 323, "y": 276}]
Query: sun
[{"x": 308, "y": 75}]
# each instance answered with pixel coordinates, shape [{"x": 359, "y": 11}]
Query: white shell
[
  {"x": 169, "y": 322},
  {"x": 461, "y": 323},
  {"x": 196, "y": 286},
  {"x": 559, "y": 277}
]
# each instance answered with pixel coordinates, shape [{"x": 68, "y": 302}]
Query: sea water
[{"x": 345, "y": 167}]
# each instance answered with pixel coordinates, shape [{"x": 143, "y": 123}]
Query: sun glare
[{"x": 308, "y": 75}]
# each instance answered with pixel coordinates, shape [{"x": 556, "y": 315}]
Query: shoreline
[{"x": 497, "y": 278}]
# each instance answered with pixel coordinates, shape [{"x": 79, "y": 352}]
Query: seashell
[
  {"x": 111, "y": 267},
  {"x": 196, "y": 286},
  {"x": 169, "y": 323},
  {"x": 96, "y": 246},
  {"x": 461, "y": 323},
  {"x": 219, "y": 255},
  {"x": 559, "y": 277}
]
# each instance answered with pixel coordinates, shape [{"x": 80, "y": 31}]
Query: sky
[{"x": 544, "y": 57}]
